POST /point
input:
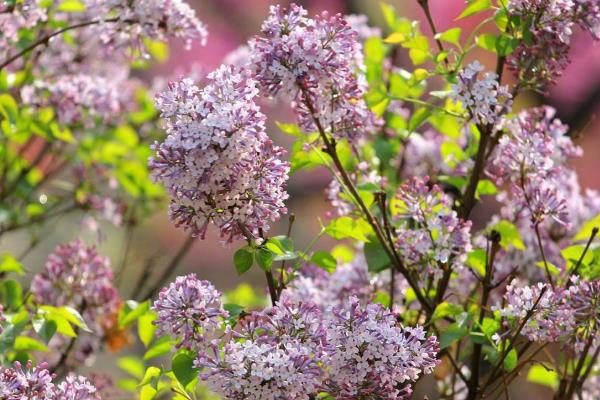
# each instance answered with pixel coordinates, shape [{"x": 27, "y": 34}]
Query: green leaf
[
  {"x": 511, "y": 360},
  {"x": 572, "y": 254},
  {"x": 26, "y": 343},
  {"x": 418, "y": 118},
  {"x": 509, "y": 235},
  {"x": 10, "y": 264},
  {"x": 133, "y": 366},
  {"x": 476, "y": 259},
  {"x": 586, "y": 230},
  {"x": 324, "y": 261},
  {"x": 377, "y": 258},
  {"x": 132, "y": 311},
  {"x": 148, "y": 392},
  {"x": 264, "y": 258},
  {"x": 451, "y": 36},
  {"x": 475, "y": 7},
  {"x": 44, "y": 328},
  {"x": 8, "y": 108},
  {"x": 12, "y": 294},
  {"x": 282, "y": 248},
  {"x": 183, "y": 368},
  {"x": 446, "y": 309},
  {"x": 151, "y": 377},
  {"x": 554, "y": 270},
  {"x": 160, "y": 348},
  {"x": 290, "y": 129},
  {"x": 68, "y": 313},
  {"x": 71, "y": 6},
  {"x": 453, "y": 333},
  {"x": 243, "y": 260},
  {"x": 395, "y": 38},
  {"x": 146, "y": 328},
  {"x": 505, "y": 44},
  {"x": 346, "y": 227},
  {"x": 487, "y": 41},
  {"x": 543, "y": 376},
  {"x": 485, "y": 187}
]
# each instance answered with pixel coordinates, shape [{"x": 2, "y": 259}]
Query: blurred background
[{"x": 230, "y": 23}]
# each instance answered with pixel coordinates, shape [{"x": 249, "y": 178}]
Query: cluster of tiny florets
[
  {"x": 78, "y": 98},
  {"x": 217, "y": 162},
  {"x": 373, "y": 356},
  {"x": 485, "y": 99},
  {"x": 332, "y": 289},
  {"x": 313, "y": 61},
  {"x": 429, "y": 230},
  {"x": 189, "y": 309},
  {"x": 531, "y": 157},
  {"x": 75, "y": 275},
  {"x": 35, "y": 383},
  {"x": 275, "y": 355},
  {"x": 296, "y": 349},
  {"x": 543, "y": 58},
  {"x": 567, "y": 314}
]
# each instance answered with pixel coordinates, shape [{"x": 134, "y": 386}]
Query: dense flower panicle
[
  {"x": 30, "y": 382},
  {"x": 189, "y": 309},
  {"x": 429, "y": 230},
  {"x": 249, "y": 370},
  {"x": 327, "y": 290},
  {"x": 373, "y": 356},
  {"x": 314, "y": 62},
  {"x": 561, "y": 314},
  {"x": 76, "y": 98},
  {"x": 158, "y": 20},
  {"x": 35, "y": 383},
  {"x": 276, "y": 358},
  {"x": 75, "y": 275},
  {"x": 76, "y": 388},
  {"x": 542, "y": 59},
  {"x": 485, "y": 99},
  {"x": 531, "y": 157},
  {"x": 15, "y": 16},
  {"x": 217, "y": 162}
]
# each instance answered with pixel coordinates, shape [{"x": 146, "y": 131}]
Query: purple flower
[
  {"x": 485, "y": 99},
  {"x": 31, "y": 382},
  {"x": 373, "y": 357},
  {"x": 542, "y": 59},
  {"x": 76, "y": 388},
  {"x": 75, "y": 275},
  {"x": 314, "y": 62},
  {"x": 429, "y": 230},
  {"x": 217, "y": 163},
  {"x": 189, "y": 309}
]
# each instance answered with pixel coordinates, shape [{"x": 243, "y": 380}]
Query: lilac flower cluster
[
  {"x": 35, "y": 383},
  {"x": 531, "y": 157},
  {"x": 158, "y": 20},
  {"x": 296, "y": 348},
  {"x": 75, "y": 275},
  {"x": 485, "y": 99},
  {"x": 373, "y": 356},
  {"x": 570, "y": 315},
  {"x": 313, "y": 61},
  {"x": 429, "y": 231},
  {"x": 189, "y": 309},
  {"x": 77, "y": 98},
  {"x": 326, "y": 290},
  {"x": 119, "y": 24},
  {"x": 217, "y": 163},
  {"x": 542, "y": 59},
  {"x": 276, "y": 356}
]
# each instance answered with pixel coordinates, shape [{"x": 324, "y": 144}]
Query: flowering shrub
[{"x": 416, "y": 291}]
